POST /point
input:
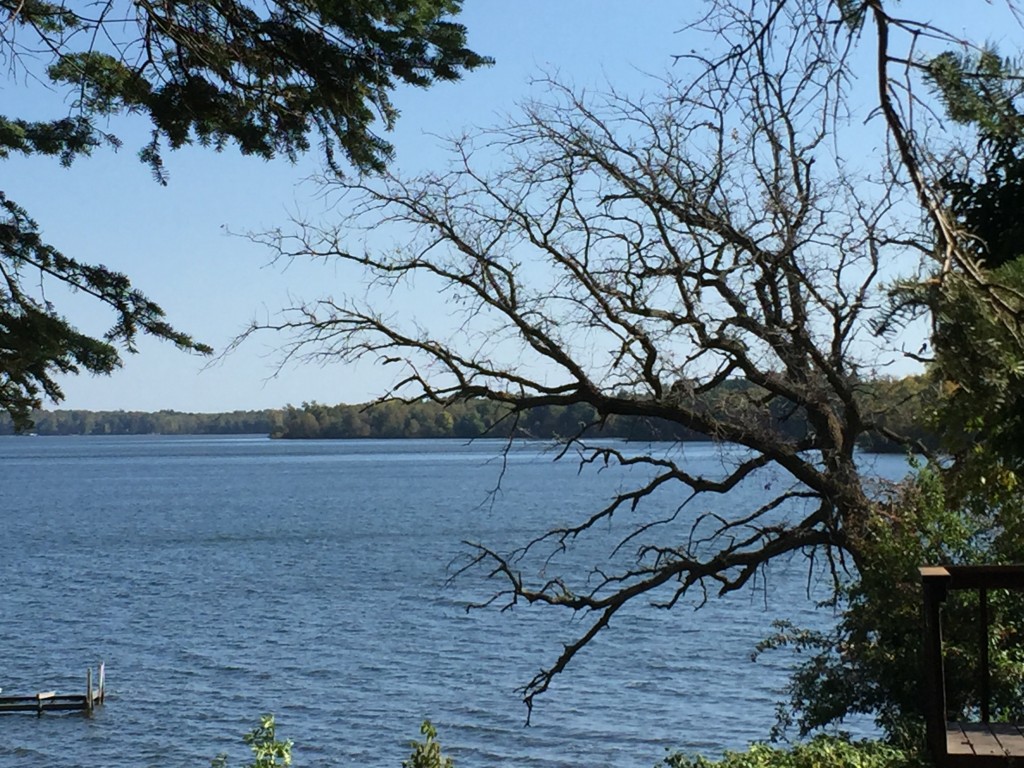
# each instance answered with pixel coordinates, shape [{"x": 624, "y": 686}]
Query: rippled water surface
[{"x": 220, "y": 578}]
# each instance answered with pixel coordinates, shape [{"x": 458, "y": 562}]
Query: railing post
[
  {"x": 935, "y": 583},
  {"x": 983, "y": 655}
]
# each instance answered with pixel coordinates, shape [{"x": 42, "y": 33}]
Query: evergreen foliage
[
  {"x": 36, "y": 341},
  {"x": 267, "y": 79},
  {"x": 978, "y": 333}
]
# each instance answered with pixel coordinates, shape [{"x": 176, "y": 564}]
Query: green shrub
[
  {"x": 820, "y": 752},
  {"x": 272, "y": 753},
  {"x": 427, "y": 753},
  {"x": 262, "y": 740},
  {"x": 870, "y": 662}
]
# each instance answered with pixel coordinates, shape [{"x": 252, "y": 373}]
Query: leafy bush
[
  {"x": 870, "y": 662},
  {"x": 268, "y": 750},
  {"x": 427, "y": 753},
  {"x": 263, "y": 742},
  {"x": 820, "y": 752}
]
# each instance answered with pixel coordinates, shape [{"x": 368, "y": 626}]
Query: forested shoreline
[
  {"x": 166, "y": 422},
  {"x": 901, "y": 405}
]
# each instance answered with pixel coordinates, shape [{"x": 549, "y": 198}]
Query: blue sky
[{"x": 175, "y": 242}]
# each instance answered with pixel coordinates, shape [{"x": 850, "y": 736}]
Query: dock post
[
  {"x": 102, "y": 681},
  {"x": 88, "y": 690}
]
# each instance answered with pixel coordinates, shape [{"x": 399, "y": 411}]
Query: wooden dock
[{"x": 51, "y": 701}]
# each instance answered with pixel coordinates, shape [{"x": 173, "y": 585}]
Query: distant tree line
[
  {"x": 462, "y": 419},
  {"x": 901, "y": 405},
  {"x": 73, "y": 422},
  {"x": 898, "y": 405}
]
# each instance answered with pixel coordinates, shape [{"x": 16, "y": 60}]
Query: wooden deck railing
[{"x": 938, "y": 581}]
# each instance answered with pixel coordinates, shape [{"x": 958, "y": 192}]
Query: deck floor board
[
  {"x": 982, "y": 740},
  {"x": 986, "y": 741},
  {"x": 957, "y": 742},
  {"x": 1010, "y": 738}
]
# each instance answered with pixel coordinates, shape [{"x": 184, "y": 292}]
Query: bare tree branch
[{"x": 707, "y": 256}]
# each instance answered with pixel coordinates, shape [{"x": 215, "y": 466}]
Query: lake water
[{"x": 220, "y": 578}]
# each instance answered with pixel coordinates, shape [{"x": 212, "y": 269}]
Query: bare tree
[{"x": 641, "y": 254}]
